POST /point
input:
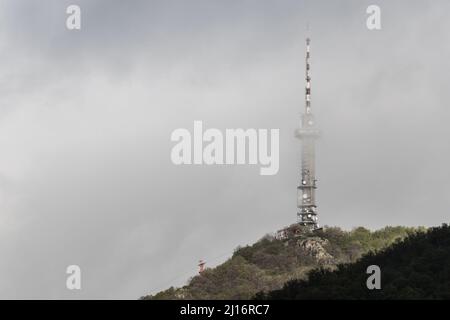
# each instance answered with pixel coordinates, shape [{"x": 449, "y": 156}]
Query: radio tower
[{"x": 308, "y": 133}]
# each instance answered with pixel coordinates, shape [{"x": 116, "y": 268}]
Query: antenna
[
  {"x": 308, "y": 133},
  {"x": 308, "y": 78}
]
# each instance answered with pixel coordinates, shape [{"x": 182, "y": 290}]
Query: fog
[{"x": 86, "y": 118}]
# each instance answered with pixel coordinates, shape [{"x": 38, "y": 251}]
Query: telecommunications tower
[{"x": 308, "y": 134}]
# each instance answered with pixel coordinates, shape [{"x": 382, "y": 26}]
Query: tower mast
[{"x": 308, "y": 133}]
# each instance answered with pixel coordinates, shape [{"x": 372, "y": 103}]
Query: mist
[{"x": 86, "y": 117}]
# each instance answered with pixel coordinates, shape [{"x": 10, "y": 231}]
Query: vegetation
[
  {"x": 416, "y": 268},
  {"x": 270, "y": 263}
]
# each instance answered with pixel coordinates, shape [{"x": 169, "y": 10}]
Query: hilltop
[
  {"x": 416, "y": 268},
  {"x": 273, "y": 261}
]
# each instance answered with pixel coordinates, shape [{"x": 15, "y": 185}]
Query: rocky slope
[{"x": 416, "y": 268}]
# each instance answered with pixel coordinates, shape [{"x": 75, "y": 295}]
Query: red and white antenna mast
[
  {"x": 308, "y": 78},
  {"x": 308, "y": 134}
]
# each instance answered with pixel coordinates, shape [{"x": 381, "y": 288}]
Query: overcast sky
[{"x": 86, "y": 117}]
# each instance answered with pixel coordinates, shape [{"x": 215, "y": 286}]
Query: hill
[
  {"x": 273, "y": 261},
  {"x": 416, "y": 268}
]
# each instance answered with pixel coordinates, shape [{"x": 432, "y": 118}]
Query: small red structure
[{"x": 201, "y": 265}]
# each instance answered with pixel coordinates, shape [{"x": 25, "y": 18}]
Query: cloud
[{"x": 86, "y": 118}]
